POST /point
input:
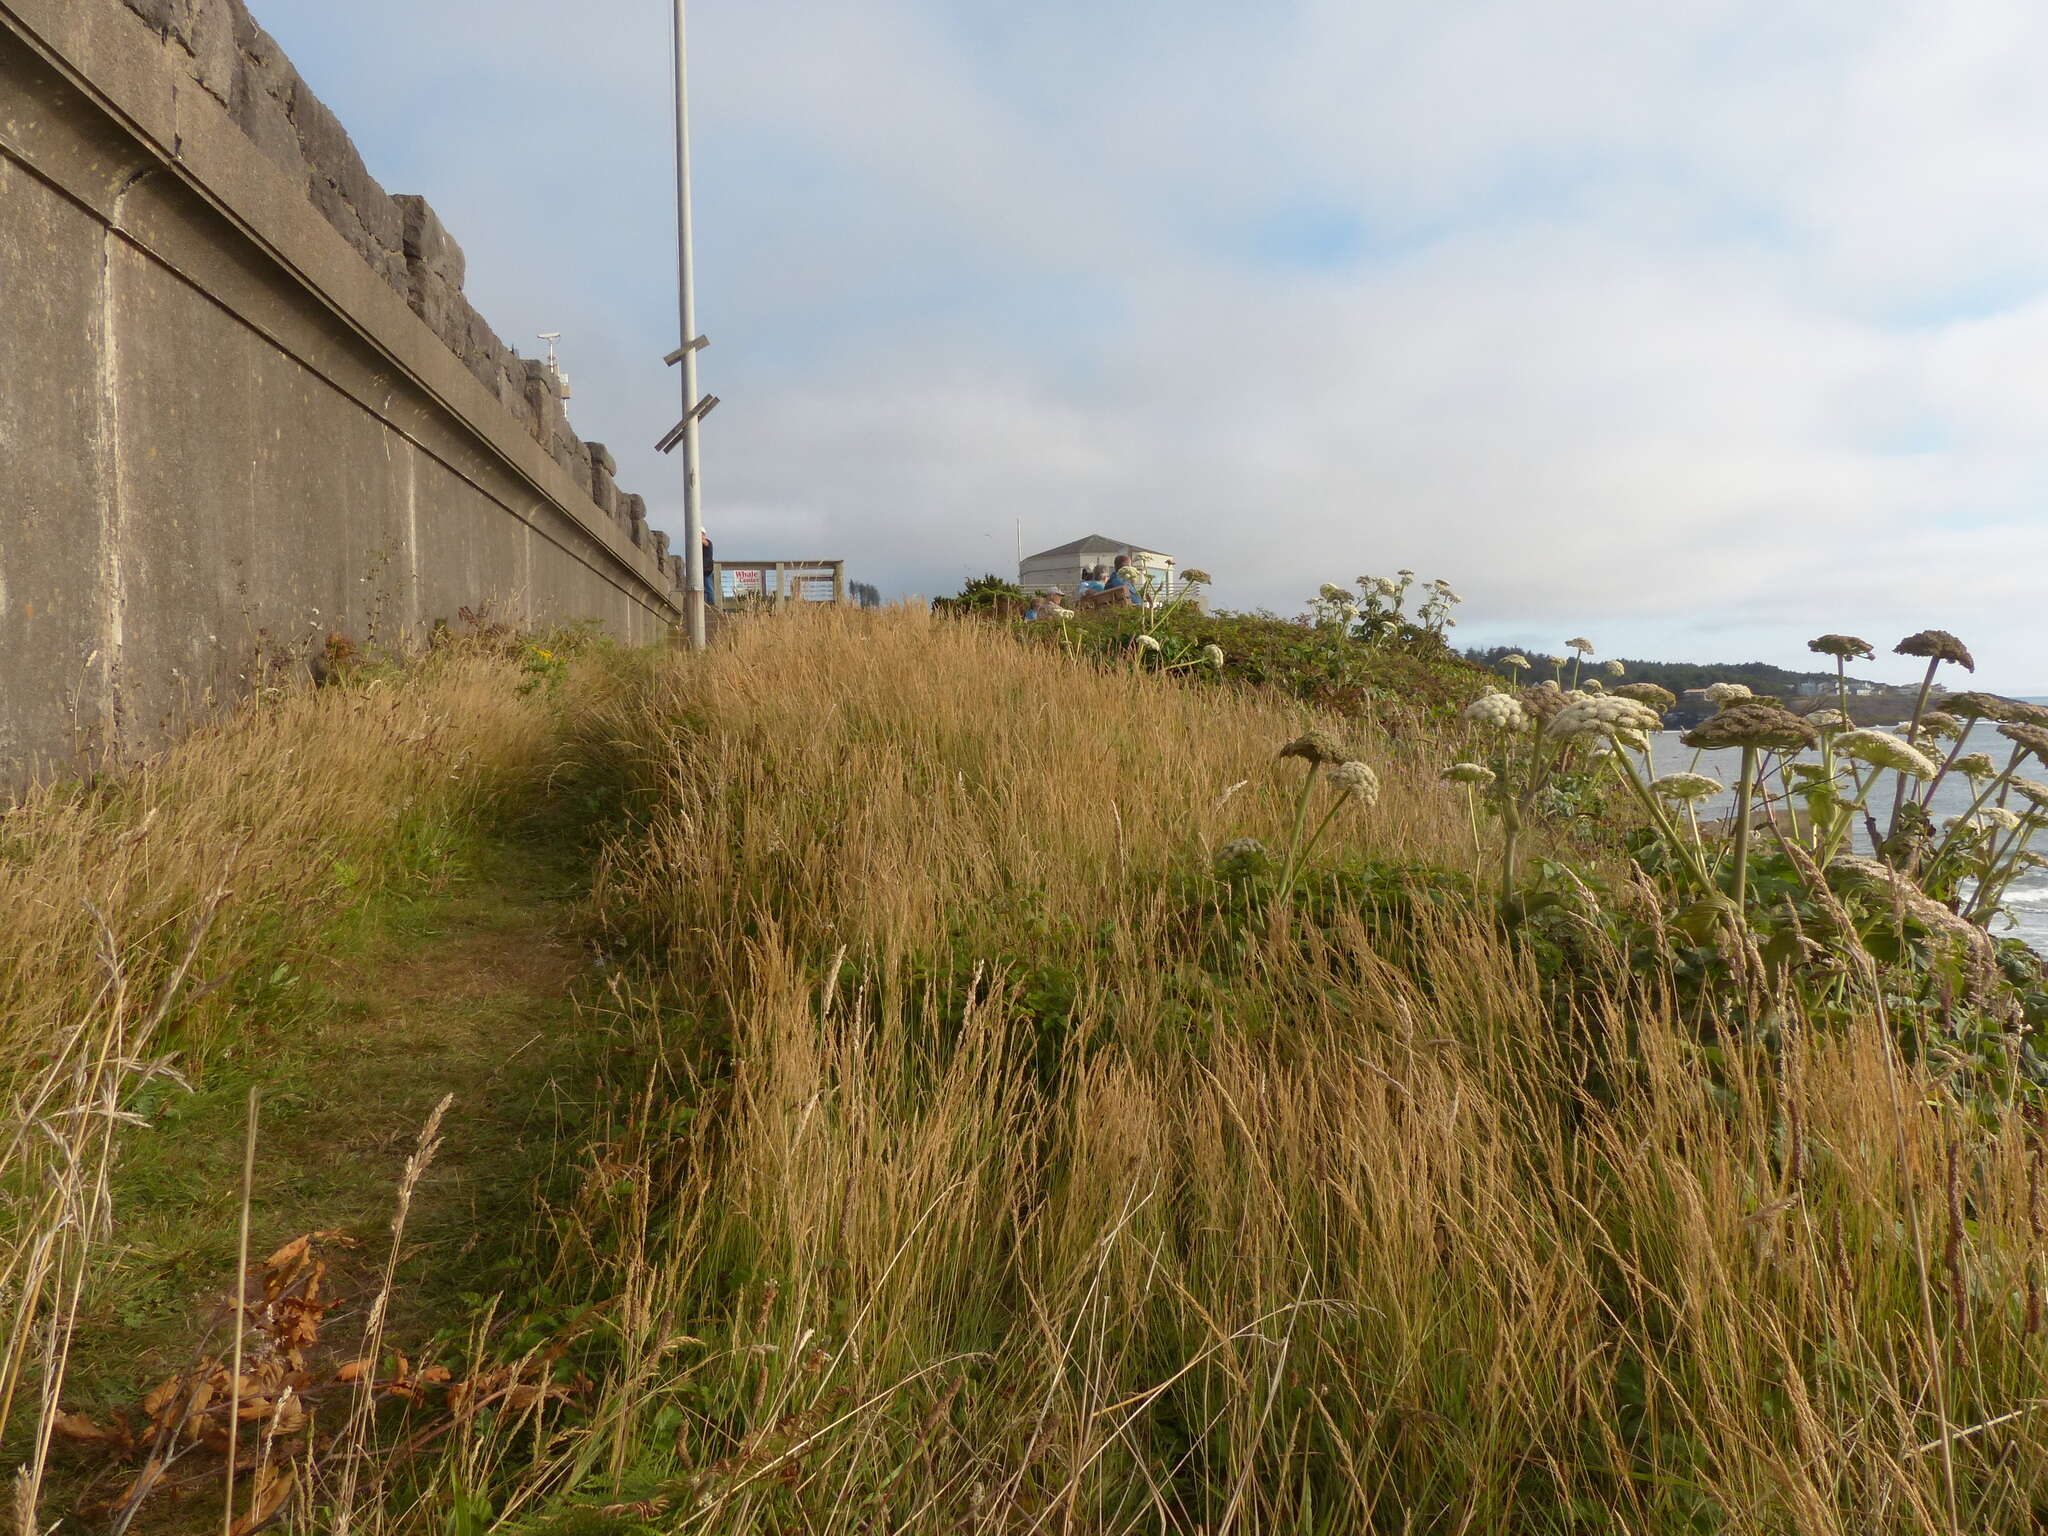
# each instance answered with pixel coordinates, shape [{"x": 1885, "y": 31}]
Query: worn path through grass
[{"x": 465, "y": 990}]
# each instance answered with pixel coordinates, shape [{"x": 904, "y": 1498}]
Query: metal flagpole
[{"x": 693, "y": 509}]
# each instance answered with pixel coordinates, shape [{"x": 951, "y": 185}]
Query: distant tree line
[
  {"x": 1678, "y": 676},
  {"x": 865, "y": 594}
]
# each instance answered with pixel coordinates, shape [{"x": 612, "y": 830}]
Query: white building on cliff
[{"x": 1062, "y": 567}]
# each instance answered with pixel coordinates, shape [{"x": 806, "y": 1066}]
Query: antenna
[{"x": 561, "y": 378}]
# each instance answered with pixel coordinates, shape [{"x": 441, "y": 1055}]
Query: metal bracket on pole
[
  {"x": 675, "y": 433},
  {"x": 686, "y": 349}
]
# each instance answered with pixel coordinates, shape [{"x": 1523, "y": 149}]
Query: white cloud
[{"x": 1709, "y": 325}]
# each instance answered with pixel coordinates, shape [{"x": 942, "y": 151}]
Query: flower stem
[{"x": 1742, "y": 810}]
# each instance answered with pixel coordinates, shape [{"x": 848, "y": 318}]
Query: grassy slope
[
  {"x": 1042, "y": 1191},
  {"x": 955, "y": 1161}
]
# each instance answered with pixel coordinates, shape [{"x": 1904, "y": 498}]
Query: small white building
[{"x": 1062, "y": 567}]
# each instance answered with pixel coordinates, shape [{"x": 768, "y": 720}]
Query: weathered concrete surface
[{"x": 246, "y": 403}]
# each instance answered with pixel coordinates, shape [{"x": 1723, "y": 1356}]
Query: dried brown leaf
[
  {"x": 76, "y": 1426},
  {"x": 274, "y": 1484}
]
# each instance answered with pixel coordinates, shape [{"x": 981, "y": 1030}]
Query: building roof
[{"x": 1094, "y": 543}]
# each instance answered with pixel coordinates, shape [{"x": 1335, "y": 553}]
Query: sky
[{"x": 1697, "y": 328}]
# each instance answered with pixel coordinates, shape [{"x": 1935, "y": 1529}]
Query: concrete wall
[{"x": 244, "y": 403}]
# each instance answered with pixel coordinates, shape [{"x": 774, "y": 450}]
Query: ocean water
[{"x": 2026, "y": 900}]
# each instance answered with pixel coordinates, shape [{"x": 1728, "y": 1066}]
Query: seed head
[
  {"x": 1763, "y": 726},
  {"x": 1829, "y": 720},
  {"x": 1357, "y": 780},
  {"x": 1501, "y": 711},
  {"x": 1592, "y": 685},
  {"x": 1469, "y": 773},
  {"x": 1330, "y": 592},
  {"x": 1940, "y": 726},
  {"x": 1615, "y": 669},
  {"x": 2033, "y": 790},
  {"x": 1999, "y": 816},
  {"x": 1884, "y": 750},
  {"x": 2028, "y": 738},
  {"x": 1582, "y": 645},
  {"x": 1976, "y": 765},
  {"x": 1726, "y": 693},
  {"x": 1846, "y": 646},
  {"x": 1195, "y": 576},
  {"x": 1688, "y": 786},
  {"x": 1659, "y": 699},
  {"x": 1937, "y": 645},
  {"x": 1316, "y": 748},
  {"x": 1979, "y": 706},
  {"x": 1544, "y": 700}
]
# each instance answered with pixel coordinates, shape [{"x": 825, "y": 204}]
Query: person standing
[{"x": 710, "y": 577}]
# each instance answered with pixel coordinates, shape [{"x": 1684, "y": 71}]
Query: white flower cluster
[
  {"x": 1604, "y": 716},
  {"x": 1516, "y": 660},
  {"x": 1688, "y": 786},
  {"x": 1147, "y": 643},
  {"x": 1829, "y": 720},
  {"x": 1213, "y": 655},
  {"x": 1615, "y": 669},
  {"x": 1064, "y": 613},
  {"x": 1356, "y": 778},
  {"x": 1241, "y": 856},
  {"x": 1726, "y": 693},
  {"x": 1977, "y": 765},
  {"x": 1501, "y": 711},
  {"x": 1883, "y": 750},
  {"x": 1469, "y": 773}
]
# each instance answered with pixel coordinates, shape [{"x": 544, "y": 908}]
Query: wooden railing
[{"x": 741, "y": 583}]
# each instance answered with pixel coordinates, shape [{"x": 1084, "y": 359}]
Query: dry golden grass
[
  {"x": 969, "y": 1174},
  {"x": 144, "y": 913},
  {"x": 1328, "y": 1235}
]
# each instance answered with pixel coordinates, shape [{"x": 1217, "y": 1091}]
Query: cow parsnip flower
[
  {"x": 1317, "y": 748},
  {"x": 1976, "y": 765},
  {"x": 1516, "y": 660},
  {"x": 1764, "y": 727},
  {"x": 1615, "y": 669},
  {"x": 1659, "y": 699},
  {"x": 1726, "y": 693},
  {"x": 1937, "y": 645},
  {"x": 1242, "y": 856},
  {"x": 1881, "y": 749},
  {"x": 1357, "y": 780},
  {"x": 1147, "y": 643},
  {"x": 1469, "y": 773},
  {"x": 1603, "y": 717},
  {"x": 1499, "y": 710},
  {"x": 1688, "y": 786},
  {"x": 1829, "y": 720},
  {"x": 1213, "y": 655},
  {"x": 2032, "y": 790},
  {"x": 2029, "y": 738}
]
